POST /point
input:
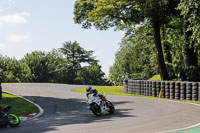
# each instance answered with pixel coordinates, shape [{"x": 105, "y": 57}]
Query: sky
[{"x": 43, "y": 25}]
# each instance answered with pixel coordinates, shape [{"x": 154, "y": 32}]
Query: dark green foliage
[
  {"x": 136, "y": 58},
  {"x": 91, "y": 75},
  {"x": 38, "y": 65},
  {"x": 56, "y": 67},
  {"x": 53, "y": 67},
  {"x": 75, "y": 55},
  {"x": 12, "y": 70},
  {"x": 180, "y": 43},
  {"x": 126, "y": 14}
]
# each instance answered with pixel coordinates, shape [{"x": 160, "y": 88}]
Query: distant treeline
[{"x": 62, "y": 65}]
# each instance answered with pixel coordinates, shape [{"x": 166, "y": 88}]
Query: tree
[
  {"x": 135, "y": 59},
  {"x": 75, "y": 55},
  {"x": 12, "y": 70},
  {"x": 91, "y": 75},
  {"x": 38, "y": 65},
  {"x": 56, "y": 67},
  {"x": 121, "y": 67},
  {"x": 191, "y": 16},
  {"x": 172, "y": 41},
  {"x": 103, "y": 14}
]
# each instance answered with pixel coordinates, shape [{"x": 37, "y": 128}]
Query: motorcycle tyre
[
  {"x": 3, "y": 125},
  {"x": 15, "y": 118},
  {"x": 96, "y": 110},
  {"x": 111, "y": 107}
]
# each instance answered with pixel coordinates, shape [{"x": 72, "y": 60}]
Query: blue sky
[{"x": 29, "y": 25}]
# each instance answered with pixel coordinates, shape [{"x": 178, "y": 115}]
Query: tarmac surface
[{"x": 67, "y": 112}]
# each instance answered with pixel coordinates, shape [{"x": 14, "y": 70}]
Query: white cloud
[
  {"x": 12, "y": 1},
  {"x": 2, "y": 45},
  {"x": 1, "y": 10},
  {"x": 16, "y": 18},
  {"x": 14, "y": 38}
]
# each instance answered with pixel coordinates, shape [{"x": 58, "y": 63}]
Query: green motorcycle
[{"x": 7, "y": 118}]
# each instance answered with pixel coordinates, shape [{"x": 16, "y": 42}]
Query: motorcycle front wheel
[
  {"x": 13, "y": 120},
  {"x": 95, "y": 109}
]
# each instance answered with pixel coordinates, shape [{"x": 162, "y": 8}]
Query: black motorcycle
[{"x": 7, "y": 118}]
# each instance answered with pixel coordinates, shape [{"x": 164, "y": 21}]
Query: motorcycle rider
[{"x": 96, "y": 93}]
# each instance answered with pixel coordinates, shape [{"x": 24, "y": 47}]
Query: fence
[{"x": 168, "y": 89}]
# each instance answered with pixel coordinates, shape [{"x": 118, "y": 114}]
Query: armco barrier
[{"x": 168, "y": 89}]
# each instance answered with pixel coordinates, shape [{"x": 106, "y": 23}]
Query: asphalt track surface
[{"x": 67, "y": 112}]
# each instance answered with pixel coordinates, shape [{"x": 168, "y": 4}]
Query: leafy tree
[
  {"x": 47, "y": 67},
  {"x": 135, "y": 58},
  {"x": 53, "y": 67},
  {"x": 91, "y": 75},
  {"x": 103, "y": 14},
  {"x": 75, "y": 55},
  {"x": 12, "y": 70},
  {"x": 38, "y": 65},
  {"x": 172, "y": 40},
  {"x": 191, "y": 16},
  {"x": 190, "y": 11},
  {"x": 56, "y": 67},
  {"x": 121, "y": 67},
  {"x": 22, "y": 72}
]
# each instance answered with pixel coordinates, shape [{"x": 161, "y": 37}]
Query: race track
[{"x": 67, "y": 112}]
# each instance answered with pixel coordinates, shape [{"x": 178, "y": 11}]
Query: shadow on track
[{"x": 63, "y": 112}]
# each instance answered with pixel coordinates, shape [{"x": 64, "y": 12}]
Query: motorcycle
[
  {"x": 7, "y": 118},
  {"x": 98, "y": 106}
]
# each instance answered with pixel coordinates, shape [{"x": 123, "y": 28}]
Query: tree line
[
  {"x": 70, "y": 64},
  {"x": 161, "y": 36}
]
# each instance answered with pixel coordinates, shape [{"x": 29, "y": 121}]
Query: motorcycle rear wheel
[{"x": 111, "y": 107}]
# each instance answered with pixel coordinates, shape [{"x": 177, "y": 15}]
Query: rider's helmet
[{"x": 88, "y": 88}]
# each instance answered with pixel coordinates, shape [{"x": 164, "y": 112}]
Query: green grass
[
  {"x": 156, "y": 78},
  {"x": 20, "y": 106},
  {"x": 118, "y": 90},
  {"x": 110, "y": 90}
]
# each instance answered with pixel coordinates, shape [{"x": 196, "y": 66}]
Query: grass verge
[
  {"x": 156, "y": 78},
  {"x": 118, "y": 90},
  {"x": 110, "y": 90},
  {"x": 20, "y": 106}
]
